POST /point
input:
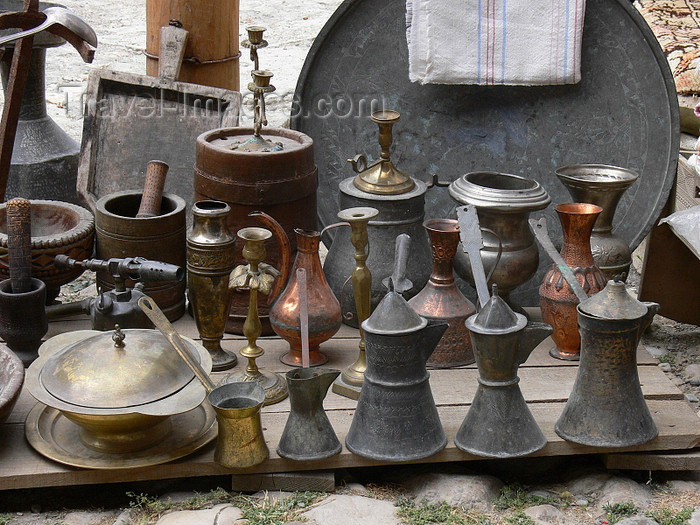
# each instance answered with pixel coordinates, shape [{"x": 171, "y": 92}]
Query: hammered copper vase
[
  {"x": 441, "y": 300},
  {"x": 323, "y": 307},
  {"x": 557, "y": 300}
]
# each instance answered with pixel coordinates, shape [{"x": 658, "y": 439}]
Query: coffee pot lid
[
  {"x": 614, "y": 303},
  {"x": 496, "y": 316},
  {"x": 394, "y": 316}
]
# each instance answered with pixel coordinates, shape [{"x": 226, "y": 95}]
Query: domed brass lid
[{"x": 117, "y": 369}]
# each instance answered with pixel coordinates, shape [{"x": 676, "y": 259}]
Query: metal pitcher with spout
[
  {"x": 308, "y": 433},
  {"x": 606, "y": 407},
  {"x": 396, "y": 418},
  {"x": 499, "y": 424}
]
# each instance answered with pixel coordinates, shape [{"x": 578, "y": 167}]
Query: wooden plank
[
  {"x": 314, "y": 480},
  {"x": 679, "y": 428},
  {"x": 666, "y": 460}
]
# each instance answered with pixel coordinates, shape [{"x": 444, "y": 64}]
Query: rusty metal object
[
  {"x": 396, "y": 418},
  {"x": 324, "y": 309},
  {"x": 80, "y": 36},
  {"x": 118, "y": 306},
  {"x": 19, "y": 244},
  {"x": 350, "y": 381},
  {"x": 156, "y": 171},
  {"x": 57, "y": 228},
  {"x": 11, "y": 380},
  {"x": 256, "y": 277},
  {"x": 210, "y": 259},
  {"x": 441, "y": 300},
  {"x": 499, "y": 424},
  {"x": 162, "y": 238},
  {"x": 606, "y": 407},
  {"x": 382, "y": 177},
  {"x": 557, "y": 299},
  {"x": 121, "y": 388},
  {"x": 603, "y": 186},
  {"x": 308, "y": 434},
  {"x": 281, "y": 183},
  {"x": 503, "y": 203}
]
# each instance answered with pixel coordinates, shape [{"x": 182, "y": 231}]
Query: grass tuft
[
  {"x": 670, "y": 516},
  {"x": 615, "y": 512},
  {"x": 515, "y": 497}
]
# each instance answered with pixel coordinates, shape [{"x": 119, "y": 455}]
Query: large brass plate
[{"x": 52, "y": 435}]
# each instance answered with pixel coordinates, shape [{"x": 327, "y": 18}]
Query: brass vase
[
  {"x": 210, "y": 259},
  {"x": 324, "y": 309},
  {"x": 557, "y": 300},
  {"x": 441, "y": 300}
]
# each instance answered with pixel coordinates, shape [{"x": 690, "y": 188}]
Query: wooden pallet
[{"x": 545, "y": 382}]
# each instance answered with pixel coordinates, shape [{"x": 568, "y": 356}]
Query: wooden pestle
[
  {"x": 19, "y": 244},
  {"x": 153, "y": 189}
]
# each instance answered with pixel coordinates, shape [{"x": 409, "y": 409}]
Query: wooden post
[{"x": 213, "y": 36}]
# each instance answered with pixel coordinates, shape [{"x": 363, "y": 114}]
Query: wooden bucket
[
  {"x": 211, "y": 55},
  {"x": 280, "y": 183}
]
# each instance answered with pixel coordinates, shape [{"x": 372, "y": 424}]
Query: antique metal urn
[
  {"x": 499, "y": 423},
  {"x": 503, "y": 203},
  {"x": 396, "y": 418},
  {"x": 400, "y": 200},
  {"x": 606, "y": 407}
]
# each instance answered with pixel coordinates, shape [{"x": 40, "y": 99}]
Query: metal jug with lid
[{"x": 396, "y": 418}]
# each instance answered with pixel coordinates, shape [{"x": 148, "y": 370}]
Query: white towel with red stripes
[{"x": 491, "y": 42}]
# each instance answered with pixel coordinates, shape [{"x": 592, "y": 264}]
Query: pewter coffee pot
[
  {"x": 606, "y": 407},
  {"x": 308, "y": 434},
  {"x": 396, "y": 418},
  {"x": 499, "y": 424}
]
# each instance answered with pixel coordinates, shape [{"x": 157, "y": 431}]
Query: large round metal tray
[{"x": 624, "y": 112}]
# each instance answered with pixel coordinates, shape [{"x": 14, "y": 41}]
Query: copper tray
[
  {"x": 624, "y": 112},
  {"x": 52, "y": 435}
]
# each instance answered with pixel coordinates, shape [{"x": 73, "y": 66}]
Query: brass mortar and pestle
[{"x": 240, "y": 443}]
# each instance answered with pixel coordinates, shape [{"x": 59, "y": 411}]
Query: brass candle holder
[
  {"x": 382, "y": 177},
  {"x": 350, "y": 381},
  {"x": 257, "y": 277}
]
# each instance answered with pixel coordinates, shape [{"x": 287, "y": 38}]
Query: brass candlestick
[
  {"x": 382, "y": 177},
  {"x": 350, "y": 381},
  {"x": 257, "y": 277}
]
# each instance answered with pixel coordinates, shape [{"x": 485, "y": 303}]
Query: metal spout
[
  {"x": 430, "y": 337},
  {"x": 533, "y": 334}
]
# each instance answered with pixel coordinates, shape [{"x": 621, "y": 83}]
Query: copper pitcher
[
  {"x": 557, "y": 300},
  {"x": 324, "y": 309},
  {"x": 441, "y": 300}
]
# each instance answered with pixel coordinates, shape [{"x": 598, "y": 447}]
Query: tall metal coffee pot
[
  {"x": 606, "y": 407},
  {"x": 400, "y": 200},
  {"x": 499, "y": 423},
  {"x": 396, "y": 418}
]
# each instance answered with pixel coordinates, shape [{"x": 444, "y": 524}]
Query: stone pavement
[{"x": 584, "y": 494}]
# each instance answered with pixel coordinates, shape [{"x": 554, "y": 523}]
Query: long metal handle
[
  {"x": 470, "y": 235},
  {"x": 150, "y": 308},
  {"x": 27, "y": 32},
  {"x": 539, "y": 228}
]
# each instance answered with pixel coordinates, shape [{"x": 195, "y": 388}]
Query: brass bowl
[
  {"x": 116, "y": 429},
  {"x": 11, "y": 379},
  {"x": 57, "y": 228}
]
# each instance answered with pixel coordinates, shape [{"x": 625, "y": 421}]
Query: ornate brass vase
[
  {"x": 441, "y": 300},
  {"x": 499, "y": 423},
  {"x": 503, "y": 203},
  {"x": 606, "y": 407},
  {"x": 557, "y": 300},
  {"x": 308, "y": 434},
  {"x": 324, "y": 309},
  {"x": 603, "y": 186},
  {"x": 210, "y": 259}
]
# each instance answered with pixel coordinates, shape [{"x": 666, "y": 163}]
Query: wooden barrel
[
  {"x": 212, "y": 42},
  {"x": 118, "y": 233},
  {"x": 280, "y": 183}
]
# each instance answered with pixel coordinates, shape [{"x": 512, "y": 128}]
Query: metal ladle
[
  {"x": 63, "y": 17},
  {"x": 240, "y": 443}
]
